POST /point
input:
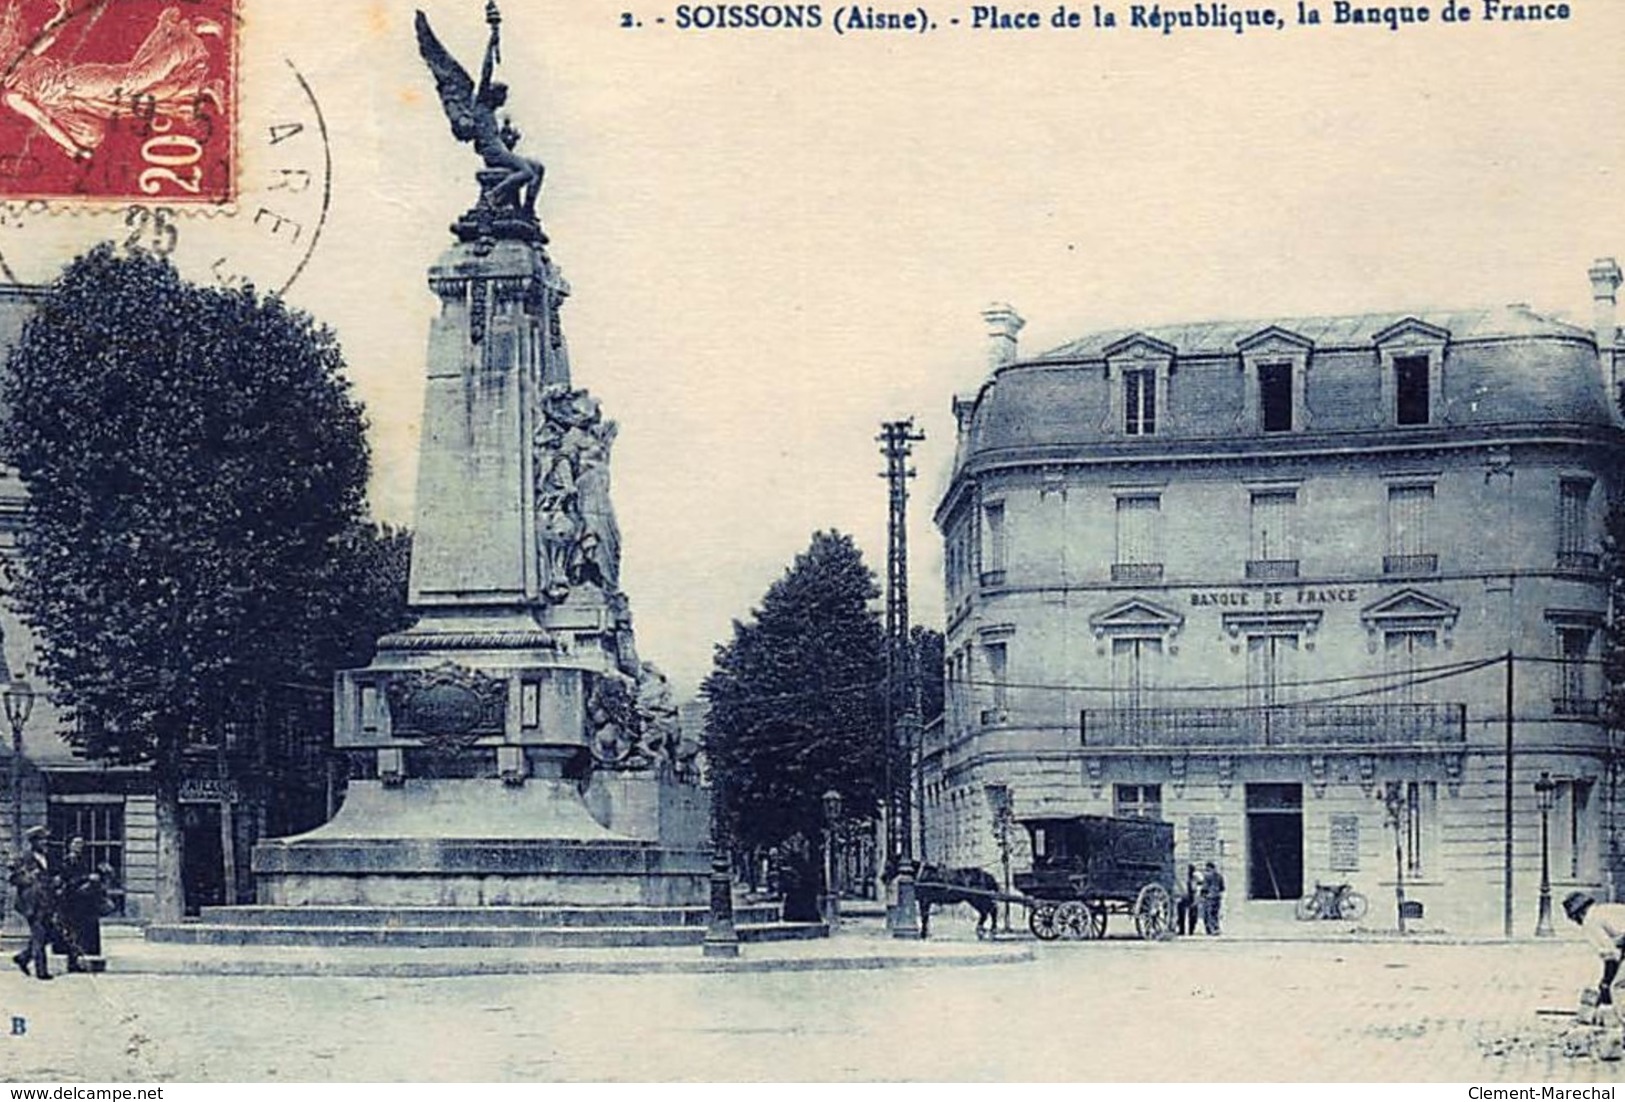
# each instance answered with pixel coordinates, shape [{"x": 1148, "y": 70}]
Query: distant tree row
[{"x": 798, "y": 708}]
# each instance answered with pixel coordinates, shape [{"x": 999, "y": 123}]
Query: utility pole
[
  {"x": 897, "y": 440},
  {"x": 1506, "y": 809}
]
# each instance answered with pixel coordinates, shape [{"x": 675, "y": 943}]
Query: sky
[{"x": 778, "y": 239}]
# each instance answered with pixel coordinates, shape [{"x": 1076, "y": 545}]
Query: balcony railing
[
  {"x": 1410, "y": 564},
  {"x": 1136, "y": 572},
  {"x": 992, "y": 579},
  {"x": 1272, "y": 570},
  {"x": 1576, "y": 706},
  {"x": 1588, "y": 561},
  {"x": 1284, "y": 726}
]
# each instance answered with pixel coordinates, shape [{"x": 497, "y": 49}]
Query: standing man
[
  {"x": 31, "y": 876},
  {"x": 1212, "y": 897},
  {"x": 1603, "y": 924}
]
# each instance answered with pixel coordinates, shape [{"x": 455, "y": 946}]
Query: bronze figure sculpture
[{"x": 512, "y": 182}]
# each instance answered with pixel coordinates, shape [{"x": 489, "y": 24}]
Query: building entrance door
[
  {"x": 202, "y": 859},
  {"x": 1274, "y": 841}
]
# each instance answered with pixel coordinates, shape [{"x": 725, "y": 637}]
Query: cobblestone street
[{"x": 1188, "y": 1010}]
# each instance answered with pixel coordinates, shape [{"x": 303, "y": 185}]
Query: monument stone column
[{"x": 510, "y": 747}]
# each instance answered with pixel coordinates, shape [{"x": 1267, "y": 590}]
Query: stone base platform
[
  {"x": 501, "y": 872},
  {"x": 475, "y": 843},
  {"x": 472, "y": 927}
]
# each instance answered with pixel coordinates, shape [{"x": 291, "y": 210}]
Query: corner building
[{"x": 1259, "y": 579}]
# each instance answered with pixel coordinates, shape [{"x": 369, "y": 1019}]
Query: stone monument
[{"x": 510, "y": 748}]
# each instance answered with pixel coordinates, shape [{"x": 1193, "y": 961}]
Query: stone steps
[
  {"x": 497, "y": 916},
  {"x": 494, "y": 937}
]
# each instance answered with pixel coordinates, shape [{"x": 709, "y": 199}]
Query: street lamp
[
  {"x": 831, "y": 910},
  {"x": 1546, "y": 794},
  {"x": 998, "y": 795},
  {"x": 721, "y": 938},
  {"x": 1393, "y": 798},
  {"x": 19, "y": 700}
]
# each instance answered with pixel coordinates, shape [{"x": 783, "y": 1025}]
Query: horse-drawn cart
[{"x": 1087, "y": 867}]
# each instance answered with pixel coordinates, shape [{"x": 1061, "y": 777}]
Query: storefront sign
[
  {"x": 1204, "y": 839},
  {"x": 1307, "y": 596},
  {"x": 209, "y": 790},
  {"x": 1345, "y": 843}
]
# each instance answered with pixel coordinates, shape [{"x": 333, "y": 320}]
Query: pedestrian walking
[
  {"x": 1185, "y": 911},
  {"x": 33, "y": 888},
  {"x": 1603, "y": 925},
  {"x": 79, "y": 905},
  {"x": 1211, "y": 896}
]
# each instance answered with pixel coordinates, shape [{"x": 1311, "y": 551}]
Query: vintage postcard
[{"x": 1109, "y": 571}]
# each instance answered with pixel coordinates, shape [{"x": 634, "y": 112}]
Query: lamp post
[
  {"x": 1003, "y": 819},
  {"x": 19, "y": 700},
  {"x": 831, "y": 909},
  {"x": 1545, "y": 793},
  {"x": 721, "y": 939},
  {"x": 1393, "y": 798}
]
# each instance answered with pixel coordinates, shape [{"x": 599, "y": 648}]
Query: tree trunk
[{"x": 169, "y": 903}]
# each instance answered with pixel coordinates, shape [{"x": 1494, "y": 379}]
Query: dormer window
[
  {"x": 1137, "y": 371},
  {"x": 1275, "y": 397},
  {"x": 1412, "y": 391},
  {"x": 1412, "y": 356},
  {"x": 1139, "y": 402},
  {"x": 1275, "y": 374}
]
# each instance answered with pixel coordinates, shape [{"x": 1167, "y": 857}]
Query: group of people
[
  {"x": 62, "y": 902},
  {"x": 1201, "y": 896}
]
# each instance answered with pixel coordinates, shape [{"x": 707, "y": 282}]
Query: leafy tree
[
  {"x": 193, "y": 459},
  {"x": 928, "y": 660},
  {"x": 796, "y": 711}
]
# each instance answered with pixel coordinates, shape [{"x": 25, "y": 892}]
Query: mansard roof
[{"x": 1222, "y": 338}]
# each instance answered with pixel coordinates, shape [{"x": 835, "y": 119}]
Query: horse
[{"x": 946, "y": 887}]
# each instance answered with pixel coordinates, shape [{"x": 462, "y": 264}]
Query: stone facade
[{"x": 1260, "y": 579}]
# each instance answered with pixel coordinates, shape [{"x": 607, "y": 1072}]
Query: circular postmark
[{"x": 139, "y": 127}]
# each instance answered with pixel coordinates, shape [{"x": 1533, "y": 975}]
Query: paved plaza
[{"x": 1349, "y": 1009}]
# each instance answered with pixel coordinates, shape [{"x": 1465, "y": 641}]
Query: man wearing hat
[
  {"x": 32, "y": 889},
  {"x": 1604, "y": 926}
]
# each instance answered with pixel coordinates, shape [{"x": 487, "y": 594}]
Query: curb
[{"x": 632, "y": 965}]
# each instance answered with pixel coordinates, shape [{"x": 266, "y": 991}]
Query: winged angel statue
[{"x": 473, "y": 115}]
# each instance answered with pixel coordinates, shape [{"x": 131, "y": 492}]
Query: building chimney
[
  {"x": 1003, "y": 323},
  {"x": 1605, "y": 281}
]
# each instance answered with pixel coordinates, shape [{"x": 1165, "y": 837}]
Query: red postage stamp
[{"x": 118, "y": 100}]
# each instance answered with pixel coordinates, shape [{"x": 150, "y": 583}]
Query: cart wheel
[
  {"x": 1308, "y": 908},
  {"x": 1073, "y": 919},
  {"x": 1096, "y": 927},
  {"x": 1041, "y": 920},
  {"x": 1153, "y": 912},
  {"x": 1353, "y": 905}
]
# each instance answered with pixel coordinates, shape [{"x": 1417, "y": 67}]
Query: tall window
[
  {"x": 1573, "y": 695},
  {"x": 1412, "y": 401},
  {"x": 994, "y": 548},
  {"x": 1574, "y": 835},
  {"x": 1139, "y": 403},
  {"x": 1275, "y": 397},
  {"x": 101, "y": 825},
  {"x": 1137, "y": 801},
  {"x": 1409, "y": 551},
  {"x": 1139, "y": 552},
  {"x": 1406, "y": 655},
  {"x": 1574, "y": 550},
  {"x": 1134, "y": 672},
  {"x": 1421, "y": 825},
  {"x": 1272, "y": 662},
  {"x": 1274, "y": 536},
  {"x": 998, "y": 662}
]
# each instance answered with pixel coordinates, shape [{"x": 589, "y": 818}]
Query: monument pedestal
[{"x": 474, "y": 735}]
